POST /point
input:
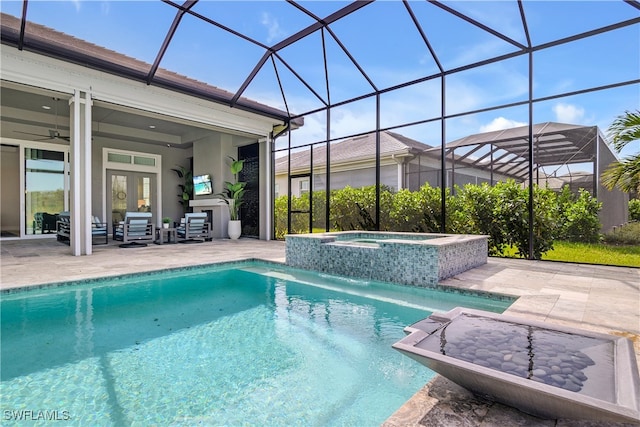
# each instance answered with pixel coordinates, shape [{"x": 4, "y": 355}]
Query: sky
[{"x": 384, "y": 42}]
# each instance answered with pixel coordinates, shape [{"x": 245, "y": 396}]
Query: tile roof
[
  {"x": 354, "y": 149},
  {"x": 47, "y": 41}
]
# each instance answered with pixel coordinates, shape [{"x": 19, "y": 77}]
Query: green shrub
[
  {"x": 407, "y": 212},
  {"x": 628, "y": 234},
  {"x": 634, "y": 210},
  {"x": 299, "y": 222},
  {"x": 500, "y": 211},
  {"x": 477, "y": 214},
  {"x": 579, "y": 218}
]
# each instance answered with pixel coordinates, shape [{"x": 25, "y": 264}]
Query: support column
[{"x": 80, "y": 144}]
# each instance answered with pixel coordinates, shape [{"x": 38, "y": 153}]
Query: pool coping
[{"x": 230, "y": 264}]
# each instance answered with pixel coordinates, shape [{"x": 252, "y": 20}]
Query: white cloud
[
  {"x": 273, "y": 27},
  {"x": 76, "y": 4},
  {"x": 500, "y": 123},
  {"x": 567, "y": 113}
]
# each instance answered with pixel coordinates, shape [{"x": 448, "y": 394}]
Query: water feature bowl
[{"x": 546, "y": 370}]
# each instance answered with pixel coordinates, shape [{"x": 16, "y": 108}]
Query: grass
[
  {"x": 621, "y": 247},
  {"x": 623, "y": 255}
]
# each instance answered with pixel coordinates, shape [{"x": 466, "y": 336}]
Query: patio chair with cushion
[
  {"x": 194, "y": 227},
  {"x": 63, "y": 227},
  {"x": 45, "y": 222},
  {"x": 98, "y": 229},
  {"x": 137, "y": 227}
]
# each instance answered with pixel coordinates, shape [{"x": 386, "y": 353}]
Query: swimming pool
[{"x": 241, "y": 343}]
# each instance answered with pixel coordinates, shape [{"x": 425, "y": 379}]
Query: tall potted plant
[
  {"x": 233, "y": 194},
  {"x": 186, "y": 189}
]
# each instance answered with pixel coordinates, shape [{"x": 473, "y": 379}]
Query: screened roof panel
[
  {"x": 388, "y": 61},
  {"x": 209, "y": 54},
  {"x": 323, "y": 8},
  {"x": 382, "y": 38},
  {"x": 556, "y": 69},
  {"x": 268, "y": 22},
  {"x": 298, "y": 96},
  {"x": 496, "y": 83},
  {"x": 502, "y": 16},
  {"x": 552, "y": 20},
  {"x": 266, "y": 89},
  {"x": 113, "y": 25},
  {"x": 340, "y": 69},
  {"x": 305, "y": 57},
  {"x": 457, "y": 42},
  {"x": 578, "y": 143},
  {"x": 410, "y": 104}
]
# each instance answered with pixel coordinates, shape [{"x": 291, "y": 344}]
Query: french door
[{"x": 129, "y": 192}]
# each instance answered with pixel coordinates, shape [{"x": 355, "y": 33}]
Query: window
[{"x": 304, "y": 186}]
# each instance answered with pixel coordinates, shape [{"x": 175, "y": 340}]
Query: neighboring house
[
  {"x": 485, "y": 157},
  {"x": 404, "y": 163},
  {"x": 92, "y": 131}
]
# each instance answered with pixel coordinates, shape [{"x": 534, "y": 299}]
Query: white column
[
  {"x": 267, "y": 226},
  {"x": 87, "y": 173},
  {"x": 80, "y": 142}
]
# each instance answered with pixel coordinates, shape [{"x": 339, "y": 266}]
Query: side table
[{"x": 168, "y": 232}]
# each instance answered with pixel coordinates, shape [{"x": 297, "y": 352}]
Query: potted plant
[
  {"x": 186, "y": 189},
  {"x": 165, "y": 222},
  {"x": 232, "y": 194}
]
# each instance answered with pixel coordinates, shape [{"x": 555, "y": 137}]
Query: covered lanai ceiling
[{"x": 289, "y": 54}]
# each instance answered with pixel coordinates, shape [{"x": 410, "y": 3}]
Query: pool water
[{"x": 241, "y": 344}]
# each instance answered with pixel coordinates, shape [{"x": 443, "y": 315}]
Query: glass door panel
[
  {"x": 10, "y": 190},
  {"x": 44, "y": 190},
  {"x": 130, "y": 192},
  {"x": 143, "y": 193},
  {"x": 118, "y": 197}
]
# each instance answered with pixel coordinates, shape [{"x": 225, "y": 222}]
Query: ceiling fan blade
[{"x": 29, "y": 133}]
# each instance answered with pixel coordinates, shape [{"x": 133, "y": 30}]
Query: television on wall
[{"x": 202, "y": 185}]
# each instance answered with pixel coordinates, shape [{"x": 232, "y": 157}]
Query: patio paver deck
[{"x": 599, "y": 298}]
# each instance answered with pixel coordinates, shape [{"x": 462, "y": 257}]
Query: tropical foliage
[
  {"x": 500, "y": 211},
  {"x": 233, "y": 192},
  {"x": 634, "y": 210},
  {"x": 625, "y": 174},
  {"x": 186, "y": 188}
]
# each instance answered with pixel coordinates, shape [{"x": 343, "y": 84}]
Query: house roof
[
  {"x": 353, "y": 149},
  {"x": 47, "y": 41}
]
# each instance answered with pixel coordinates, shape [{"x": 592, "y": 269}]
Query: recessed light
[{"x": 46, "y": 107}]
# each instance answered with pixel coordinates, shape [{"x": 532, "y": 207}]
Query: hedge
[{"x": 500, "y": 211}]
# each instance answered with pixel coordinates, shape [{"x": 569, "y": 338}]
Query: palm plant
[
  {"x": 624, "y": 174},
  {"x": 234, "y": 191},
  {"x": 186, "y": 189}
]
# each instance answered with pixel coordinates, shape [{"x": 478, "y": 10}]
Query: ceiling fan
[{"x": 53, "y": 133}]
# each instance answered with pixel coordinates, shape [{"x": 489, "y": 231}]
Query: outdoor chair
[
  {"x": 98, "y": 229},
  {"x": 194, "y": 227},
  {"x": 45, "y": 222},
  {"x": 137, "y": 227},
  {"x": 63, "y": 227}
]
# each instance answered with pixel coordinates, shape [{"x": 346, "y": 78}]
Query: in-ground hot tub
[
  {"x": 419, "y": 259},
  {"x": 546, "y": 370}
]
